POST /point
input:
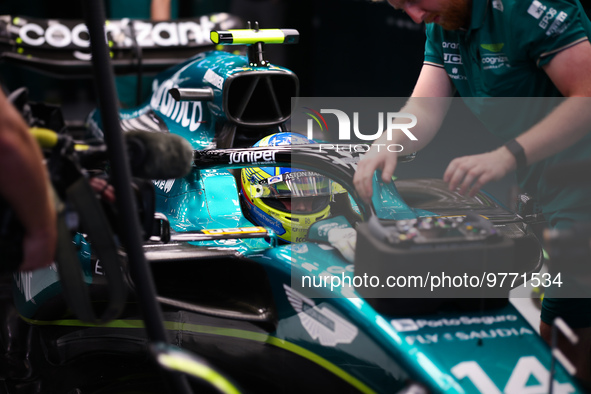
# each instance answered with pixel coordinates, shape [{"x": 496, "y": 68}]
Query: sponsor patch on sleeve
[{"x": 536, "y": 9}]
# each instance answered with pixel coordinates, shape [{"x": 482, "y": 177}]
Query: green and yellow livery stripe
[
  {"x": 227, "y": 332},
  {"x": 200, "y": 370}
]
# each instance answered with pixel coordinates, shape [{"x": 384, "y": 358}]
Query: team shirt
[{"x": 501, "y": 54}]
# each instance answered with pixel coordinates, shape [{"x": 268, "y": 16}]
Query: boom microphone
[{"x": 158, "y": 155}]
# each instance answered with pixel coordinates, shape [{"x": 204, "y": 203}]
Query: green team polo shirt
[{"x": 501, "y": 54}]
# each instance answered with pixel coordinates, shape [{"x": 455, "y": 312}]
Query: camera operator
[{"x": 24, "y": 184}]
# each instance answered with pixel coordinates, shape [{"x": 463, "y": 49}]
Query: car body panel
[{"x": 234, "y": 303}]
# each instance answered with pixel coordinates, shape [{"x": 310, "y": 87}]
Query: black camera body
[{"x": 11, "y": 239}]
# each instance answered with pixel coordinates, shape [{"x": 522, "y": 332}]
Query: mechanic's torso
[
  {"x": 508, "y": 42},
  {"x": 502, "y": 55}
]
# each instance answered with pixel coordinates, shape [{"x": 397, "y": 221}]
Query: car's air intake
[{"x": 260, "y": 98}]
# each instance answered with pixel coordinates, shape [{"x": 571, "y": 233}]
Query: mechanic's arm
[
  {"x": 429, "y": 104},
  {"x": 563, "y": 127},
  {"x": 24, "y": 184}
]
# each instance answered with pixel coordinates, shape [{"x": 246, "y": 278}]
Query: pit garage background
[{"x": 348, "y": 48}]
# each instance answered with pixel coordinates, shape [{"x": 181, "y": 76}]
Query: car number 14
[{"x": 526, "y": 367}]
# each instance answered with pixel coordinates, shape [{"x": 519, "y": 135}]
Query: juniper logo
[{"x": 252, "y": 157}]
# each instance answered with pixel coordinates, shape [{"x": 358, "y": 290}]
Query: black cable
[
  {"x": 138, "y": 54},
  {"x": 121, "y": 177}
]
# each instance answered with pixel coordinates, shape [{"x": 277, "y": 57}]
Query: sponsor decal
[
  {"x": 173, "y": 34},
  {"x": 450, "y": 45},
  {"x": 227, "y": 242},
  {"x": 558, "y": 26},
  {"x": 265, "y": 220},
  {"x": 297, "y": 175},
  {"x": 253, "y": 157},
  {"x": 452, "y": 58},
  {"x": 493, "y": 47},
  {"x": 162, "y": 34},
  {"x": 323, "y": 325},
  {"x": 494, "y": 61},
  {"x": 455, "y": 74},
  {"x": 31, "y": 284},
  {"x": 238, "y": 230},
  {"x": 275, "y": 179},
  {"x": 186, "y": 113},
  {"x": 430, "y": 339},
  {"x": 98, "y": 268},
  {"x": 403, "y": 325},
  {"x": 303, "y": 248},
  {"x": 56, "y": 35},
  {"x": 536, "y": 9},
  {"x": 22, "y": 280},
  {"x": 164, "y": 184},
  {"x": 213, "y": 78},
  {"x": 547, "y": 17},
  {"x": 148, "y": 121}
]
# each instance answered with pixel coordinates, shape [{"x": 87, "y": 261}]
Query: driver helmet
[{"x": 285, "y": 199}]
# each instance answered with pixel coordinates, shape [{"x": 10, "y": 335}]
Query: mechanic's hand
[
  {"x": 39, "y": 248},
  {"x": 102, "y": 188},
  {"x": 470, "y": 173},
  {"x": 375, "y": 159},
  {"x": 344, "y": 240}
]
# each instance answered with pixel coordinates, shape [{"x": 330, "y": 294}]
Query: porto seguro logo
[{"x": 395, "y": 121}]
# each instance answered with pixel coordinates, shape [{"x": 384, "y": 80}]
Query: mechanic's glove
[
  {"x": 338, "y": 233},
  {"x": 344, "y": 240}
]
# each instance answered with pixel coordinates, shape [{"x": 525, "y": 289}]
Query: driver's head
[
  {"x": 286, "y": 199},
  {"x": 299, "y": 205}
]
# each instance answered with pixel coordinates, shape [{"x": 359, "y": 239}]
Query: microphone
[{"x": 154, "y": 155}]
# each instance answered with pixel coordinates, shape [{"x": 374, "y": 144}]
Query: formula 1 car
[{"x": 233, "y": 295}]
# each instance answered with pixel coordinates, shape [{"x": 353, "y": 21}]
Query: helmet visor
[{"x": 292, "y": 185}]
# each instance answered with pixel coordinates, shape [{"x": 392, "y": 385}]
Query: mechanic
[
  {"x": 547, "y": 53},
  {"x": 24, "y": 184}
]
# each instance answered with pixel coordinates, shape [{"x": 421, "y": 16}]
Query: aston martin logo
[
  {"x": 493, "y": 47},
  {"x": 320, "y": 322}
]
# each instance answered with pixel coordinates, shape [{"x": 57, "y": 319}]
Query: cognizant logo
[{"x": 395, "y": 122}]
